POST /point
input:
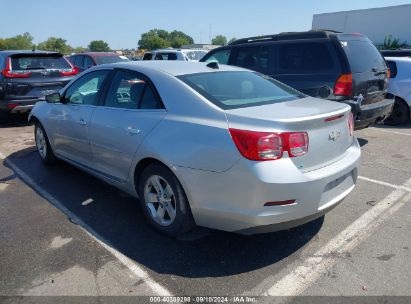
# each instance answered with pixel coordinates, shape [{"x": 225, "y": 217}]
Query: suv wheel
[
  {"x": 163, "y": 200},
  {"x": 400, "y": 113},
  {"x": 43, "y": 145}
]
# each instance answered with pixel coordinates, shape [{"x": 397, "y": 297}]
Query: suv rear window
[
  {"x": 39, "y": 62},
  {"x": 231, "y": 90},
  {"x": 363, "y": 56},
  {"x": 304, "y": 57}
]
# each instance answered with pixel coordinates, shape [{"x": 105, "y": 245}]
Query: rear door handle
[
  {"x": 82, "y": 122},
  {"x": 131, "y": 130}
]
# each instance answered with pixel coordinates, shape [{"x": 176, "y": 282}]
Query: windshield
[
  {"x": 195, "y": 55},
  {"x": 109, "y": 59},
  {"x": 231, "y": 90},
  {"x": 41, "y": 62}
]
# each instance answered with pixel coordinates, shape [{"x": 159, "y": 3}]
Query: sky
[{"x": 121, "y": 23}]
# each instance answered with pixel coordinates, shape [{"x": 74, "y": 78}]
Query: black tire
[
  {"x": 48, "y": 156},
  {"x": 400, "y": 113},
  {"x": 183, "y": 220}
]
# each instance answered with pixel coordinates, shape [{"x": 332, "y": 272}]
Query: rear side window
[
  {"x": 130, "y": 90},
  {"x": 221, "y": 56},
  {"x": 78, "y": 61},
  {"x": 363, "y": 56},
  {"x": 304, "y": 57},
  {"x": 253, "y": 58},
  {"x": 392, "y": 65},
  {"x": 39, "y": 62},
  {"x": 88, "y": 62}
]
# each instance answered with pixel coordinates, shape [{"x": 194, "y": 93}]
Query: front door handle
[
  {"x": 82, "y": 122},
  {"x": 131, "y": 130}
]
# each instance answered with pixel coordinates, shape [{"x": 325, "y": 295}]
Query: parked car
[
  {"x": 217, "y": 146},
  {"x": 27, "y": 75},
  {"x": 337, "y": 66},
  {"x": 396, "y": 53},
  {"x": 87, "y": 60},
  {"x": 175, "y": 54},
  {"x": 400, "y": 87}
]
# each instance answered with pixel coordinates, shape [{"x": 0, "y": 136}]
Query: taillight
[
  {"x": 298, "y": 143},
  {"x": 343, "y": 85},
  {"x": 388, "y": 73},
  {"x": 269, "y": 146},
  {"x": 351, "y": 124},
  {"x": 69, "y": 72},
  {"x": 7, "y": 72}
]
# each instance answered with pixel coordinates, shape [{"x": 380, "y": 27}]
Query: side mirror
[{"x": 53, "y": 98}]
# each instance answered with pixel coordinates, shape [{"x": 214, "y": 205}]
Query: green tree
[
  {"x": 79, "y": 49},
  {"x": 232, "y": 40},
  {"x": 55, "y": 44},
  {"x": 178, "y": 38},
  {"x": 219, "y": 40},
  {"x": 391, "y": 43},
  {"x": 19, "y": 42},
  {"x": 99, "y": 46},
  {"x": 158, "y": 39}
]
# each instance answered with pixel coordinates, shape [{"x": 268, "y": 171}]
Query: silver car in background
[{"x": 203, "y": 144}]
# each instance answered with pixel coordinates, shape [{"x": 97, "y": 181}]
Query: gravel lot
[{"x": 63, "y": 232}]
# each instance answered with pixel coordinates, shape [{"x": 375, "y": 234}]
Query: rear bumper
[
  {"x": 366, "y": 115},
  {"x": 234, "y": 200},
  {"x": 17, "y": 106}
]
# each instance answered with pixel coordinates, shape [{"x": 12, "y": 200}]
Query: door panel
[
  {"x": 71, "y": 120},
  {"x": 116, "y": 134},
  {"x": 131, "y": 110}
]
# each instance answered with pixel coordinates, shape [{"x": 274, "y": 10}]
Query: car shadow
[
  {"x": 116, "y": 219},
  {"x": 19, "y": 120},
  {"x": 406, "y": 125},
  {"x": 362, "y": 141}
]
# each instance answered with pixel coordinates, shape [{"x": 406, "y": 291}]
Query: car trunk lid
[{"x": 326, "y": 123}]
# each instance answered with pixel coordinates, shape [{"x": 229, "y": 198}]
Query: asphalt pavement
[{"x": 63, "y": 232}]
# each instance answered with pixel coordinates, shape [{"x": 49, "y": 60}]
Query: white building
[{"x": 376, "y": 23}]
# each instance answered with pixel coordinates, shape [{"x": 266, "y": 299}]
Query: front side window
[
  {"x": 231, "y": 90},
  {"x": 304, "y": 57},
  {"x": 221, "y": 56},
  {"x": 148, "y": 56},
  {"x": 85, "y": 90},
  {"x": 392, "y": 65},
  {"x": 130, "y": 90}
]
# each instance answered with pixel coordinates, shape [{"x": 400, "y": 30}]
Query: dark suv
[
  {"x": 28, "y": 75},
  {"x": 331, "y": 65}
]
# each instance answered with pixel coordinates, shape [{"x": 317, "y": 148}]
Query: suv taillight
[
  {"x": 343, "y": 85},
  {"x": 262, "y": 146},
  {"x": 69, "y": 72},
  {"x": 351, "y": 124},
  {"x": 7, "y": 72}
]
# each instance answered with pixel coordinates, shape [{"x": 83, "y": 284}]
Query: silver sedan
[{"x": 203, "y": 144}]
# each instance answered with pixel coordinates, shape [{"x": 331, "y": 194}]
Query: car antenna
[{"x": 213, "y": 65}]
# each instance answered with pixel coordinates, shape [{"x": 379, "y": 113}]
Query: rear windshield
[
  {"x": 109, "y": 59},
  {"x": 231, "y": 90},
  {"x": 39, "y": 62},
  {"x": 363, "y": 56}
]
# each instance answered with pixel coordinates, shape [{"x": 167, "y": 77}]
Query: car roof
[
  {"x": 175, "y": 68},
  {"x": 28, "y": 52},
  {"x": 97, "y": 54}
]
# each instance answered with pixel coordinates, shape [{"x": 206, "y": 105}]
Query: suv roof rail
[{"x": 287, "y": 36}]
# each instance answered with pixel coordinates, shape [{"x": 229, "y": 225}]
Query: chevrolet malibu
[{"x": 203, "y": 144}]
